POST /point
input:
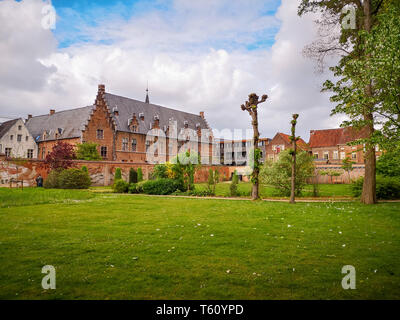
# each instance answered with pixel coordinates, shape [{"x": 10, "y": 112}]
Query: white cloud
[{"x": 193, "y": 56}]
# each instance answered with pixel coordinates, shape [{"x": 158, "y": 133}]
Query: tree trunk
[
  {"x": 369, "y": 187},
  {"x": 293, "y": 188},
  {"x": 256, "y": 169}
]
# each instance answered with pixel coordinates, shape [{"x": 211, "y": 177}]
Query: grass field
[
  {"x": 325, "y": 190},
  {"x": 108, "y": 246}
]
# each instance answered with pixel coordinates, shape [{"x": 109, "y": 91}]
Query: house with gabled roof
[
  {"x": 121, "y": 128},
  {"x": 16, "y": 140},
  {"x": 332, "y": 146},
  {"x": 281, "y": 142}
]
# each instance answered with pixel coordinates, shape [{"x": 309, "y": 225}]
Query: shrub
[
  {"x": 387, "y": 188},
  {"x": 133, "y": 176},
  {"x": 160, "y": 171},
  {"x": 213, "y": 179},
  {"x": 53, "y": 179},
  {"x": 120, "y": 186},
  {"x": 234, "y": 183},
  {"x": 389, "y": 163},
  {"x": 139, "y": 175},
  {"x": 118, "y": 174},
  {"x": 74, "y": 179},
  {"x": 161, "y": 186},
  {"x": 133, "y": 188},
  {"x": 85, "y": 169}
]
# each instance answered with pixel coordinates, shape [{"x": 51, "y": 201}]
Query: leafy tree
[
  {"x": 278, "y": 174},
  {"x": 356, "y": 93},
  {"x": 347, "y": 165},
  {"x": 133, "y": 176},
  {"x": 139, "y": 175},
  {"x": 389, "y": 163},
  {"x": 184, "y": 168},
  {"x": 251, "y": 106},
  {"x": 88, "y": 151},
  {"x": 60, "y": 157}
]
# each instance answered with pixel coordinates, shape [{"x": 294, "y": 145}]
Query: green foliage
[
  {"x": 74, "y": 179},
  {"x": 347, "y": 165},
  {"x": 133, "y": 188},
  {"x": 85, "y": 169},
  {"x": 254, "y": 160},
  {"x": 139, "y": 175},
  {"x": 377, "y": 62},
  {"x": 279, "y": 173},
  {"x": 159, "y": 171},
  {"x": 53, "y": 179},
  {"x": 233, "y": 188},
  {"x": 120, "y": 186},
  {"x": 387, "y": 188},
  {"x": 133, "y": 176},
  {"x": 389, "y": 163},
  {"x": 161, "y": 186},
  {"x": 88, "y": 151},
  {"x": 118, "y": 174},
  {"x": 212, "y": 181},
  {"x": 184, "y": 167}
]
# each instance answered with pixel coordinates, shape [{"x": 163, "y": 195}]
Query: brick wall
[{"x": 48, "y": 146}]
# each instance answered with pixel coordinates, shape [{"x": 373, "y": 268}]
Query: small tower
[{"x": 147, "y": 94}]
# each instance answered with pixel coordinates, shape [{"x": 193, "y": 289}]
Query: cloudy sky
[{"x": 196, "y": 56}]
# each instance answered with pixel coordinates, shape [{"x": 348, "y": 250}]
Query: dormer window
[
  {"x": 141, "y": 116},
  {"x": 186, "y": 124},
  {"x": 156, "y": 117},
  {"x": 197, "y": 125}
]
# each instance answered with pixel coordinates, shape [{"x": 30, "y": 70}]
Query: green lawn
[
  {"x": 325, "y": 190},
  {"x": 108, "y": 246}
]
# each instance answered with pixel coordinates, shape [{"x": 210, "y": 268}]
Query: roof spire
[{"x": 147, "y": 93}]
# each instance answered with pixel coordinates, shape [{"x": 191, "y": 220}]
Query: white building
[{"x": 16, "y": 141}]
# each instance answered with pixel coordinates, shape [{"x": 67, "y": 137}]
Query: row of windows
[
  {"x": 335, "y": 155},
  {"x": 19, "y": 138},
  {"x": 125, "y": 144},
  {"x": 8, "y": 152}
]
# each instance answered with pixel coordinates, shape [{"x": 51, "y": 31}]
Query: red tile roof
[
  {"x": 334, "y": 137},
  {"x": 300, "y": 143}
]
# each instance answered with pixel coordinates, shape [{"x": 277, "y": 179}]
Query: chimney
[
  {"x": 156, "y": 122},
  {"x": 115, "y": 111},
  {"x": 29, "y": 116},
  {"x": 102, "y": 88},
  {"x": 52, "y": 111},
  {"x": 202, "y": 114}
]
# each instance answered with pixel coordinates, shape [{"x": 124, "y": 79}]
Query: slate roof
[
  {"x": 72, "y": 122},
  {"x": 5, "y": 126},
  {"x": 334, "y": 137},
  {"x": 127, "y": 107}
]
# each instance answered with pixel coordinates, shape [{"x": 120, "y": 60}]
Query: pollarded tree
[
  {"x": 293, "y": 151},
  {"x": 251, "y": 106}
]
